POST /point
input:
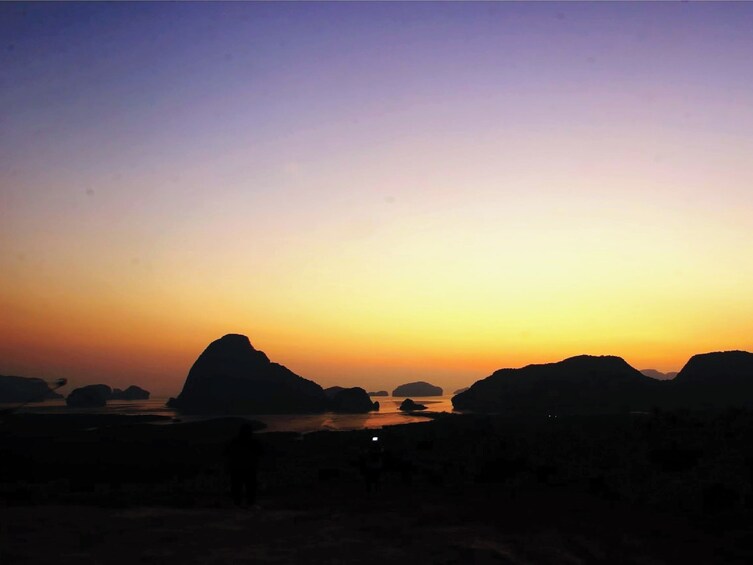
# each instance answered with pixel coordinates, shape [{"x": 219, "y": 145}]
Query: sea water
[{"x": 389, "y": 414}]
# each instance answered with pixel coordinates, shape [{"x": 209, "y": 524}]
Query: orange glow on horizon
[{"x": 373, "y": 193}]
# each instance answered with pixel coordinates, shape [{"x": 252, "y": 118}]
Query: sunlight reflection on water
[{"x": 388, "y": 414}]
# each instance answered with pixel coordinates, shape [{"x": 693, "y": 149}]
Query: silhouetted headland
[
  {"x": 25, "y": 389},
  {"x": 379, "y": 393},
  {"x": 419, "y": 388},
  {"x": 231, "y": 377}
]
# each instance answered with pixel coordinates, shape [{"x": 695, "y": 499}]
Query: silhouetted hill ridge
[
  {"x": 584, "y": 383},
  {"x": 591, "y": 384}
]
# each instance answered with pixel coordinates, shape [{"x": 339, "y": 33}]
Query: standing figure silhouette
[{"x": 243, "y": 454}]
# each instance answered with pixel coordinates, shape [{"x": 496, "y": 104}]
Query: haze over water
[
  {"x": 373, "y": 193},
  {"x": 389, "y": 414}
]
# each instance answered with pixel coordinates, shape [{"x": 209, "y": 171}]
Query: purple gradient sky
[{"x": 246, "y": 167}]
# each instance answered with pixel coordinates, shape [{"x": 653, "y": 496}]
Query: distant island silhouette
[
  {"x": 409, "y": 405},
  {"x": 232, "y": 377},
  {"x": 133, "y": 392},
  {"x": 89, "y": 396},
  {"x": 654, "y": 374},
  {"x": 350, "y": 400},
  {"x": 97, "y": 395},
  {"x": 419, "y": 388}
]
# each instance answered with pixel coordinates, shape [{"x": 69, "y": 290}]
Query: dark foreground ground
[{"x": 661, "y": 488}]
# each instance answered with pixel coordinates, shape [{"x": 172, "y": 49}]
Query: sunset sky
[{"x": 373, "y": 193}]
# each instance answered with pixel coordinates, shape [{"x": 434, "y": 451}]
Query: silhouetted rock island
[
  {"x": 419, "y": 388},
  {"x": 461, "y": 390},
  {"x": 409, "y": 405},
  {"x": 89, "y": 396},
  {"x": 351, "y": 400},
  {"x": 25, "y": 389},
  {"x": 232, "y": 377},
  {"x": 583, "y": 384},
  {"x": 133, "y": 392},
  {"x": 379, "y": 393}
]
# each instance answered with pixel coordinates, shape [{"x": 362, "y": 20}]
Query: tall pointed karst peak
[
  {"x": 230, "y": 376},
  {"x": 234, "y": 347}
]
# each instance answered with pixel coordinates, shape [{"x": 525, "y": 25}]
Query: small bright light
[{"x": 375, "y": 438}]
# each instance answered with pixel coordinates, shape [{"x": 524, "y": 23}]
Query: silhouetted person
[{"x": 243, "y": 454}]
